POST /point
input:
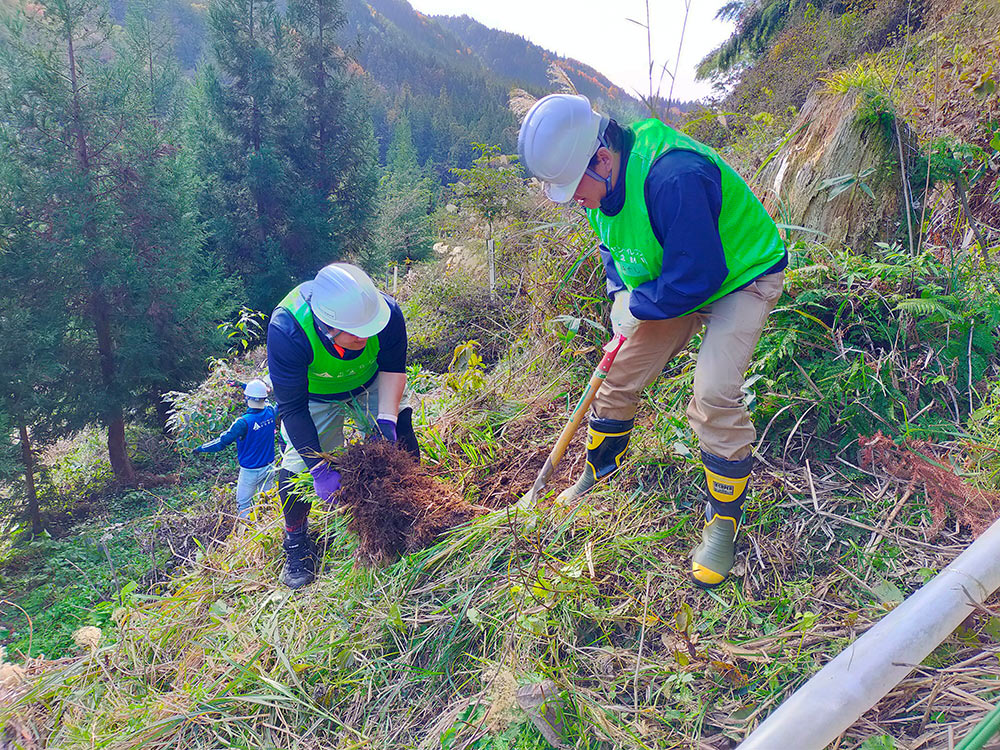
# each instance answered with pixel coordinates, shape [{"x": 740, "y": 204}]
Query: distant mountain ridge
[
  {"x": 510, "y": 57},
  {"x": 450, "y": 76},
  {"x": 465, "y": 67},
  {"x": 515, "y": 58}
]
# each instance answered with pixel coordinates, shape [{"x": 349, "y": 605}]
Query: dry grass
[
  {"x": 594, "y": 597},
  {"x": 394, "y": 657},
  {"x": 917, "y": 463}
]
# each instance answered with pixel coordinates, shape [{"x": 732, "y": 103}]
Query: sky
[{"x": 605, "y": 39}]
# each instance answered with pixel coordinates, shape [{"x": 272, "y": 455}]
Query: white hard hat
[
  {"x": 256, "y": 390},
  {"x": 557, "y": 139},
  {"x": 344, "y": 297}
]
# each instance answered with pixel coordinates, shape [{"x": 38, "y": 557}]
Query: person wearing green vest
[
  {"x": 686, "y": 245},
  {"x": 336, "y": 347}
]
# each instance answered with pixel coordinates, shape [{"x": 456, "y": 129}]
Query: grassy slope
[
  {"x": 100, "y": 538},
  {"x": 429, "y": 652},
  {"x": 593, "y": 597}
]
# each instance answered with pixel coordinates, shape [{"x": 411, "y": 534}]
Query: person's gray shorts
[{"x": 328, "y": 416}]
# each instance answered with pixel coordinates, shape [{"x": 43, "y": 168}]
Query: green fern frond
[{"x": 925, "y": 308}]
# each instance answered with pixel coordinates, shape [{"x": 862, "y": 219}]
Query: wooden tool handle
[{"x": 611, "y": 351}]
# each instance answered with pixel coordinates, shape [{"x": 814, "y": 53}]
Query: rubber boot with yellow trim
[
  {"x": 607, "y": 440},
  {"x": 727, "y": 488}
]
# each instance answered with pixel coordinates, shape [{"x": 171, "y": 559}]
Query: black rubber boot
[
  {"x": 300, "y": 560},
  {"x": 607, "y": 441},
  {"x": 405, "y": 435},
  {"x": 727, "y": 489}
]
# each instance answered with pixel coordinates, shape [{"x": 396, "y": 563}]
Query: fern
[
  {"x": 824, "y": 421},
  {"x": 811, "y": 274},
  {"x": 926, "y": 307},
  {"x": 883, "y": 336},
  {"x": 870, "y": 74}
]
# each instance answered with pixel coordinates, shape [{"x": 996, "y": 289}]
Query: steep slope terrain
[{"x": 873, "y": 390}]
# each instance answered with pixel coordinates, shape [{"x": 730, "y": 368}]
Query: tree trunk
[
  {"x": 826, "y": 144},
  {"x": 28, "y": 458},
  {"x": 118, "y": 449},
  {"x": 321, "y": 136},
  {"x": 81, "y": 140},
  {"x": 491, "y": 259},
  {"x": 162, "y": 411},
  {"x": 112, "y": 413},
  {"x": 255, "y": 126}
]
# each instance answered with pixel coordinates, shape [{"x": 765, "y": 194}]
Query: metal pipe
[{"x": 857, "y": 678}]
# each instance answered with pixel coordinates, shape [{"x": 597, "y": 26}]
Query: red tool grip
[{"x": 611, "y": 351}]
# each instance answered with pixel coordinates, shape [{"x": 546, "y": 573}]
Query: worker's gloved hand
[
  {"x": 385, "y": 429},
  {"x": 623, "y": 322},
  {"x": 326, "y": 480},
  {"x": 199, "y": 449}
]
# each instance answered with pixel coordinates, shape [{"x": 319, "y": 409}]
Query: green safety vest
[
  {"x": 750, "y": 239},
  {"x": 328, "y": 374}
]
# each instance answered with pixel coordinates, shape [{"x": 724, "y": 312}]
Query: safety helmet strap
[{"x": 602, "y": 143}]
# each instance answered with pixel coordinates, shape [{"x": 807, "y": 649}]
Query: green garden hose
[{"x": 983, "y": 733}]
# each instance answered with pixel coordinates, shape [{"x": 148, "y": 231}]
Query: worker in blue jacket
[
  {"x": 253, "y": 434},
  {"x": 687, "y": 248}
]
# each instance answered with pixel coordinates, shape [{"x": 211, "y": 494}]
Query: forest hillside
[
  {"x": 151, "y": 221},
  {"x": 448, "y": 76}
]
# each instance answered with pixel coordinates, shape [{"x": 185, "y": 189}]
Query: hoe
[{"x": 610, "y": 352}]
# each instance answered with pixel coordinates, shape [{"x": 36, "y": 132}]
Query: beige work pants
[{"x": 732, "y": 327}]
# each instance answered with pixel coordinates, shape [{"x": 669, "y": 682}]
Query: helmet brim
[
  {"x": 376, "y": 324},
  {"x": 562, "y": 193}
]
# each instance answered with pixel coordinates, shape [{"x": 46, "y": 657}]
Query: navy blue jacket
[
  {"x": 683, "y": 193},
  {"x": 289, "y": 354},
  {"x": 253, "y": 434}
]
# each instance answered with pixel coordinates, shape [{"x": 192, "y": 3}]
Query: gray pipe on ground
[{"x": 857, "y": 678}]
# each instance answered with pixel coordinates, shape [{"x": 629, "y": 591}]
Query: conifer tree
[
  {"x": 148, "y": 45},
  {"x": 334, "y": 154},
  {"x": 102, "y": 191},
  {"x": 401, "y": 156},
  {"x": 405, "y": 200},
  {"x": 287, "y": 157},
  {"x": 38, "y": 396},
  {"x": 246, "y": 177},
  {"x": 188, "y": 292},
  {"x": 40, "y": 399}
]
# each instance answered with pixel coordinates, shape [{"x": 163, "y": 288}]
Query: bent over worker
[
  {"x": 336, "y": 347},
  {"x": 253, "y": 434},
  {"x": 685, "y": 244}
]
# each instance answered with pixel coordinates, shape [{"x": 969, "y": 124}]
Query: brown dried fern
[{"x": 915, "y": 462}]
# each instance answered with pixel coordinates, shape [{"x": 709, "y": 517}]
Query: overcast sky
[{"x": 605, "y": 39}]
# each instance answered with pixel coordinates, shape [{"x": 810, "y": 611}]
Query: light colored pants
[
  {"x": 732, "y": 327},
  {"x": 328, "y": 416},
  {"x": 250, "y": 483}
]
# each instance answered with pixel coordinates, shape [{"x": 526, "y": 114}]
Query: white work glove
[{"x": 623, "y": 322}]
